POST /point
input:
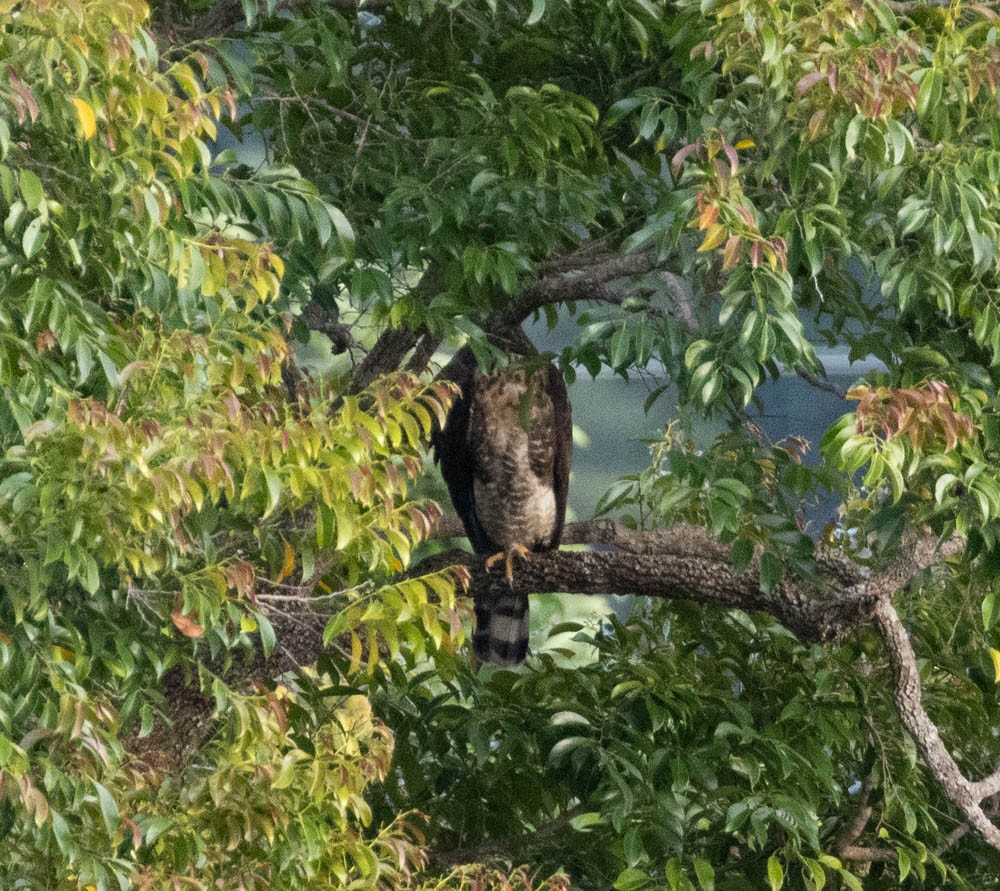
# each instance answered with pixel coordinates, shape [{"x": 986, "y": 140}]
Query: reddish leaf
[
  {"x": 186, "y": 625},
  {"x": 807, "y": 82}
]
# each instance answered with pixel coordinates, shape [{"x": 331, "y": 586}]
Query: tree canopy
[{"x": 240, "y": 242}]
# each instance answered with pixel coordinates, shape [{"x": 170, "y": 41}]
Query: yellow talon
[{"x": 508, "y": 557}]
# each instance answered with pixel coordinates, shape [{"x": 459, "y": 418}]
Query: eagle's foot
[{"x": 508, "y": 557}]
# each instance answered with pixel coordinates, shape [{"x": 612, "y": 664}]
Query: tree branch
[
  {"x": 965, "y": 795},
  {"x": 683, "y": 562},
  {"x": 845, "y": 839},
  {"x": 868, "y": 855},
  {"x": 394, "y": 343},
  {"x": 988, "y": 786},
  {"x": 688, "y": 563},
  {"x": 591, "y": 282}
]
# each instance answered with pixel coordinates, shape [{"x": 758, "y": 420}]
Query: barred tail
[{"x": 501, "y": 634}]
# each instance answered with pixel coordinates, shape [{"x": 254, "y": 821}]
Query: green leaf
[
  {"x": 770, "y": 45},
  {"x": 775, "y": 873},
  {"x": 565, "y": 746},
  {"x": 621, "y": 109},
  {"x": 109, "y": 809},
  {"x": 561, "y": 719},
  {"x": 60, "y": 829},
  {"x": 31, "y": 190},
  {"x": 267, "y": 635},
  {"x": 274, "y": 488},
  {"x": 561, "y": 627},
  {"x": 537, "y": 11},
  {"x": 343, "y": 228},
  {"x": 345, "y": 525},
  {"x": 674, "y": 874},
  {"x": 990, "y": 610},
  {"x": 308, "y": 560},
  {"x": 154, "y": 827},
  {"x": 91, "y": 578},
  {"x": 632, "y": 847},
  {"x": 583, "y": 822},
  {"x": 34, "y": 237},
  {"x": 904, "y": 863},
  {"x": 771, "y": 571},
  {"x": 929, "y": 93},
  {"x": 84, "y": 358},
  {"x": 852, "y": 134},
  {"x": 631, "y": 879},
  {"x": 741, "y": 553},
  {"x": 482, "y": 179},
  {"x": 621, "y": 348},
  {"x": 705, "y": 874}
]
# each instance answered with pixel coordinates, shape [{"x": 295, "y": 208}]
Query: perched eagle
[{"x": 505, "y": 455}]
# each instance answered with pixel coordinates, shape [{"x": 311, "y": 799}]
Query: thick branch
[
  {"x": 591, "y": 282},
  {"x": 505, "y": 848},
  {"x": 683, "y": 563},
  {"x": 868, "y": 855},
  {"x": 851, "y": 832},
  {"x": 677, "y": 541},
  {"x": 988, "y": 786},
  {"x": 317, "y": 317},
  {"x": 392, "y": 346}
]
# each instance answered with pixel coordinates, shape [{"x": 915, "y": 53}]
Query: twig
[
  {"x": 868, "y": 855},
  {"x": 818, "y": 383}
]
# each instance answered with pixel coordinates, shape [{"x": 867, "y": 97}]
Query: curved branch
[
  {"x": 964, "y": 794},
  {"x": 590, "y": 280},
  {"x": 847, "y": 837},
  {"x": 988, "y": 786}
]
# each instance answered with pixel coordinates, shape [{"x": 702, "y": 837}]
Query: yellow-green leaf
[
  {"x": 716, "y": 234},
  {"x": 88, "y": 122},
  {"x": 288, "y": 565},
  {"x": 775, "y": 873}
]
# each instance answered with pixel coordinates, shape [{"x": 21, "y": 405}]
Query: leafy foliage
[
  {"x": 693, "y": 750},
  {"x": 156, "y": 477},
  {"x": 180, "y": 495}
]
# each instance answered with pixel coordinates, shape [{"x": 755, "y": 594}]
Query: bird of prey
[{"x": 505, "y": 454}]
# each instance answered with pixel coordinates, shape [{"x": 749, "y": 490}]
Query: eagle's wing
[
  {"x": 562, "y": 437},
  {"x": 454, "y": 452}
]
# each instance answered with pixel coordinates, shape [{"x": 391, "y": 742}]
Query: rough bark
[{"x": 966, "y": 795}]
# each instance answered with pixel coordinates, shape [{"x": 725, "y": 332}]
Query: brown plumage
[{"x": 505, "y": 456}]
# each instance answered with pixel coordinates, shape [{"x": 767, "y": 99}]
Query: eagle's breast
[{"x": 512, "y": 432}]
